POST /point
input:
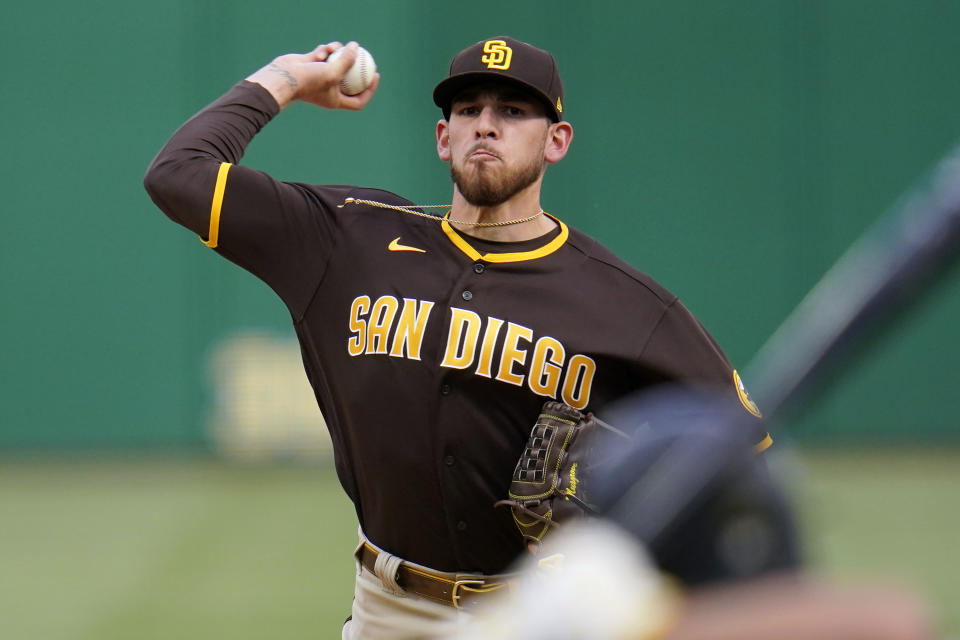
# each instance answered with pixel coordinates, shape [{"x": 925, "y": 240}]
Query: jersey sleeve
[
  {"x": 281, "y": 232},
  {"x": 681, "y": 350}
]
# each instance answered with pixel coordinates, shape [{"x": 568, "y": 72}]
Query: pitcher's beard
[{"x": 485, "y": 189}]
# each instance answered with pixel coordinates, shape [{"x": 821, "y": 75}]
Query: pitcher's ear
[
  {"x": 443, "y": 140},
  {"x": 558, "y": 142}
]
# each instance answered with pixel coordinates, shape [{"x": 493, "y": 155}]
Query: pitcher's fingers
[
  {"x": 345, "y": 58},
  {"x": 323, "y": 51}
]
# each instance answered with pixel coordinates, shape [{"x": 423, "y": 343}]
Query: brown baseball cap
[{"x": 506, "y": 59}]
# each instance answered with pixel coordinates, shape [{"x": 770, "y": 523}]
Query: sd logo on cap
[{"x": 512, "y": 61}]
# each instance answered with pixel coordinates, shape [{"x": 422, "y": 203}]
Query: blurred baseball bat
[{"x": 887, "y": 271}]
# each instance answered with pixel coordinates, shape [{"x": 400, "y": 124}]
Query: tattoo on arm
[{"x": 291, "y": 81}]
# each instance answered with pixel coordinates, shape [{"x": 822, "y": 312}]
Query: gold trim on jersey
[
  {"x": 764, "y": 444},
  {"x": 461, "y": 243},
  {"x": 214, "y": 234}
]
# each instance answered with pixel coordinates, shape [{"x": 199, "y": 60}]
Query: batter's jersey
[{"x": 430, "y": 352}]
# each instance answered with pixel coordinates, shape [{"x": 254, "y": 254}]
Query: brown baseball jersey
[{"x": 430, "y": 352}]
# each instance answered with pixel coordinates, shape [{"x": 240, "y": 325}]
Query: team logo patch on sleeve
[{"x": 745, "y": 398}]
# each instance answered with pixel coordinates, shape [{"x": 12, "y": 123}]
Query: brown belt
[{"x": 454, "y": 590}]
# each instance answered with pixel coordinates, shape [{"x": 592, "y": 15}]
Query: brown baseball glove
[{"x": 551, "y": 481}]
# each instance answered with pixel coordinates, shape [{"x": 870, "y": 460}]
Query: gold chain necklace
[{"x": 411, "y": 210}]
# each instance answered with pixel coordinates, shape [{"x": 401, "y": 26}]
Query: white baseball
[{"x": 360, "y": 75}]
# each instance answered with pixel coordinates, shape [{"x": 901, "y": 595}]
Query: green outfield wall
[{"x": 732, "y": 149}]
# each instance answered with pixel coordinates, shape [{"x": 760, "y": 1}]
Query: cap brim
[{"x": 448, "y": 88}]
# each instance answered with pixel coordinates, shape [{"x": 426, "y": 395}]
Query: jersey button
[
  {"x": 479, "y": 267},
  {"x": 449, "y": 460},
  {"x": 461, "y": 526},
  {"x": 445, "y": 389},
  {"x": 467, "y": 295}
]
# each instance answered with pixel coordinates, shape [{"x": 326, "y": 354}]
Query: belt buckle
[{"x": 455, "y": 595}]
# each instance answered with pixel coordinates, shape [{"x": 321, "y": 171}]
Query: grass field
[{"x": 148, "y": 549}]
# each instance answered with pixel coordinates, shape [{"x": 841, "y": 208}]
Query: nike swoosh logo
[{"x": 396, "y": 246}]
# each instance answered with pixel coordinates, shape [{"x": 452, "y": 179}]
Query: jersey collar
[{"x": 461, "y": 243}]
